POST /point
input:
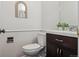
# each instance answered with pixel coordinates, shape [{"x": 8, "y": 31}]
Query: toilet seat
[{"x": 31, "y": 46}]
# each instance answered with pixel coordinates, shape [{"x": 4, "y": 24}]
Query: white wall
[
  {"x": 15, "y": 49},
  {"x": 50, "y": 14},
  {"x": 8, "y": 21},
  {"x": 53, "y": 11},
  {"x": 69, "y": 12}
]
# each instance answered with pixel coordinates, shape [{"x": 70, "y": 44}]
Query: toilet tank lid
[{"x": 31, "y": 46}]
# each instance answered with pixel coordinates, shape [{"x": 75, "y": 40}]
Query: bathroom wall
[
  {"x": 8, "y": 21},
  {"x": 50, "y": 14},
  {"x": 55, "y": 11},
  {"x": 15, "y": 49},
  {"x": 69, "y": 12}
]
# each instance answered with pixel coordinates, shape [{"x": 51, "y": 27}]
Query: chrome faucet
[{"x": 73, "y": 28}]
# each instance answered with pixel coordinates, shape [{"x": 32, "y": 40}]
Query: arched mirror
[{"x": 21, "y": 9}]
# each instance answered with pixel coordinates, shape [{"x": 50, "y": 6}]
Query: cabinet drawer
[{"x": 54, "y": 39}]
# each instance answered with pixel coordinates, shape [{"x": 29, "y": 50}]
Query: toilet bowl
[{"x": 34, "y": 48}]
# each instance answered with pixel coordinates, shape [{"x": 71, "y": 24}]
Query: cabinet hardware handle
[
  {"x": 57, "y": 50},
  {"x": 59, "y": 40},
  {"x": 60, "y": 51}
]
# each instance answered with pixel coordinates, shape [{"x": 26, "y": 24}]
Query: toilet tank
[{"x": 41, "y": 37}]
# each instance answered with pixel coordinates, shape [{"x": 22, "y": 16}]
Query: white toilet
[{"x": 34, "y": 48}]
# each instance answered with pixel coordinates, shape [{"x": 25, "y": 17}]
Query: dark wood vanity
[{"x": 61, "y": 46}]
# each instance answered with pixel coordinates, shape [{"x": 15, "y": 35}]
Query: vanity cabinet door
[
  {"x": 68, "y": 53},
  {"x": 70, "y": 42},
  {"x": 51, "y": 50},
  {"x": 70, "y": 46}
]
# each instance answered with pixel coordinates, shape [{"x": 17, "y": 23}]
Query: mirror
[{"x": 21, "y": 9}]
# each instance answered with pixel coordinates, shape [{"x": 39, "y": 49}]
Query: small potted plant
[
  {"x": 65, "y": 26},
  {"x": 62, "y": 26},
  {"x": 59, "y": 26}
]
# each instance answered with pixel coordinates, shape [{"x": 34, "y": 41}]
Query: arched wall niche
[{"x": 21, "y": 9}]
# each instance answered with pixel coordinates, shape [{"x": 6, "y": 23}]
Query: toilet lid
[{"x": 31, "y": 46}]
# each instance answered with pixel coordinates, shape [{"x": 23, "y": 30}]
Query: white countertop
[{"x": 65, "y": 33}]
